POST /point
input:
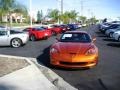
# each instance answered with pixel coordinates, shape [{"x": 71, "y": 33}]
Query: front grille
[{"x": 73, "y": 63}]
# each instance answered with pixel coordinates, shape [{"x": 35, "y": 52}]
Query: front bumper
[{"x": 76, "y": 62}]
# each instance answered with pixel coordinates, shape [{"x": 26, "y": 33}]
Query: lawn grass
[{"x": 14, "y": 24}]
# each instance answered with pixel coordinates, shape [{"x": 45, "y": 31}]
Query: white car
[
  {"x": 13, "y": 38},
  {"x": 110, "y": 32},
  {"x": 116, "y": 35}
]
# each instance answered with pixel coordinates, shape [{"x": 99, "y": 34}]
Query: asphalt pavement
[{"x": 97, "y": 78}]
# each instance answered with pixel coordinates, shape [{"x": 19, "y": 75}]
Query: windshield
[{"x": 75, "y": 37}]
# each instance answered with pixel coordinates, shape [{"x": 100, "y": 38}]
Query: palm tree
[
  {"x": 69, "y": 17},
  {"x": 54, "y": 14},
  {"x": 72, "y": 15},
  {"x": 65, "y": 17},
  {"x": 7, "y": 7}
]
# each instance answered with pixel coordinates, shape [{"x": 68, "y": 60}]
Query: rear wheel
[
  {"x": 45, "y": 38},
  {"x": 32, "y": 38},
  {"x": 54, "y": 33},
  {"x": 16, "y": 42}
]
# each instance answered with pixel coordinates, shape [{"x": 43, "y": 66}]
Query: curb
[
  {"x": 59, "y": 82},
  {"x": 49, "y": 74}
]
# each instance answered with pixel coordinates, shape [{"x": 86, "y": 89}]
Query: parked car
[
  {"x": 55, "y": 29},
  {"x": 116, "y": 35},
  {"x": 110, "y": 32},
  {"x": 73, "y": 26},
  {"x": 74, "y": 49},
  {"x": 115, "y": 22},
  {"x": 64, "y": 28},
  {"x": 13, "y": 38},
  {"x": 38, "y": 33},
  {"x": 103, "y": 25},
  {"x": 112, "y": 26}
]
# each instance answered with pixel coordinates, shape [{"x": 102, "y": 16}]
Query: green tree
[
  {"x": 69, "y": 17},
  {"x": 39, "y": 16},
  {"x": 54, "y": 14},
  {"x": 82, "y": 19},
  {"x": 72, "y": 16},
  {"x": 7, "y": 7},
  {"x": 65, "y": 17},
  {"x": 93, "y": 20}
]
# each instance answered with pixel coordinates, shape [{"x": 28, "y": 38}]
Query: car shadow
[
  {"x": 44, "y": 59},
  {"x": 110, "y": 39},
  {"x": 100, "y": 34},
  {"x": 114, "y": 45},
  {"x": 5, "y": 47}
]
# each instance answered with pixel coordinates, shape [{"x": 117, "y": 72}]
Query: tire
[
  {"x": 45, "y": 38},
  {"x": 54, "y": 33},
  {"x": 32, "y": 38},
  {"x": 111, "y": 35},
  {"x": 16, "y": 42},
  {"x": 119, "y": 39}
]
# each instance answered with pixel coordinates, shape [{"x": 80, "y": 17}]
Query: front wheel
[
  {"x": 119, "y": 39},
  {"x": 16, "y": 42},
  {"x": 111, "y": 35},
  {"x": 32, "y": 38}
]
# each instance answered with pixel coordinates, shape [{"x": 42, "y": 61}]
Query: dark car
[
  {"x": 112, "y": 26},
  {"x": 73, "y": 26}
]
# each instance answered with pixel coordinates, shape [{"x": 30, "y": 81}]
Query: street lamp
[{"x": 30, "y": 13}]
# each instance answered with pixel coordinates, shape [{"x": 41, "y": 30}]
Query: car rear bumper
[{"x": 25, "y": 40}]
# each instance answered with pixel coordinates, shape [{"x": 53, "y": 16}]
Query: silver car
[{"x": 13, "y": 38}]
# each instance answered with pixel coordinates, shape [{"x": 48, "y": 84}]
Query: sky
[{"x": 98, "y": 8}]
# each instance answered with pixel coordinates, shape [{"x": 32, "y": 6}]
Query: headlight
[
  {"x": 90, "y": 52},
  {"x": 53, "y": 50}
]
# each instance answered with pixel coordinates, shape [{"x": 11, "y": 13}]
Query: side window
[
  {"x": 3, "y": 33},
  {"x": 14, "y": 32},
  {"x": 26, "y": 30}
]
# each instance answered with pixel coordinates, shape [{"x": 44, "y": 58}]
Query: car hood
[{"x": 70, "y": 47}]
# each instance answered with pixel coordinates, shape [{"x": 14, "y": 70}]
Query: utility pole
[
  {"x": 81, "y": 7},
  {"x": 30, "y": 13},
  {"x": 61, "y": 7}
]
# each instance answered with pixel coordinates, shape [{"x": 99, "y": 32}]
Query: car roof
[
  {"x": 3, "y": 29},
  {"x": 76, "y": 32}
]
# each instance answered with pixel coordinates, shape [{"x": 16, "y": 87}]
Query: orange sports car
[{"x": 74, "y": 49}]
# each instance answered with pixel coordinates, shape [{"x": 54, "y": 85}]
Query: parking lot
[{"x": 88, "y": 79}]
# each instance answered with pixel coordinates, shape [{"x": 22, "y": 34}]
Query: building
[{"x": 14, "y": 17}]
